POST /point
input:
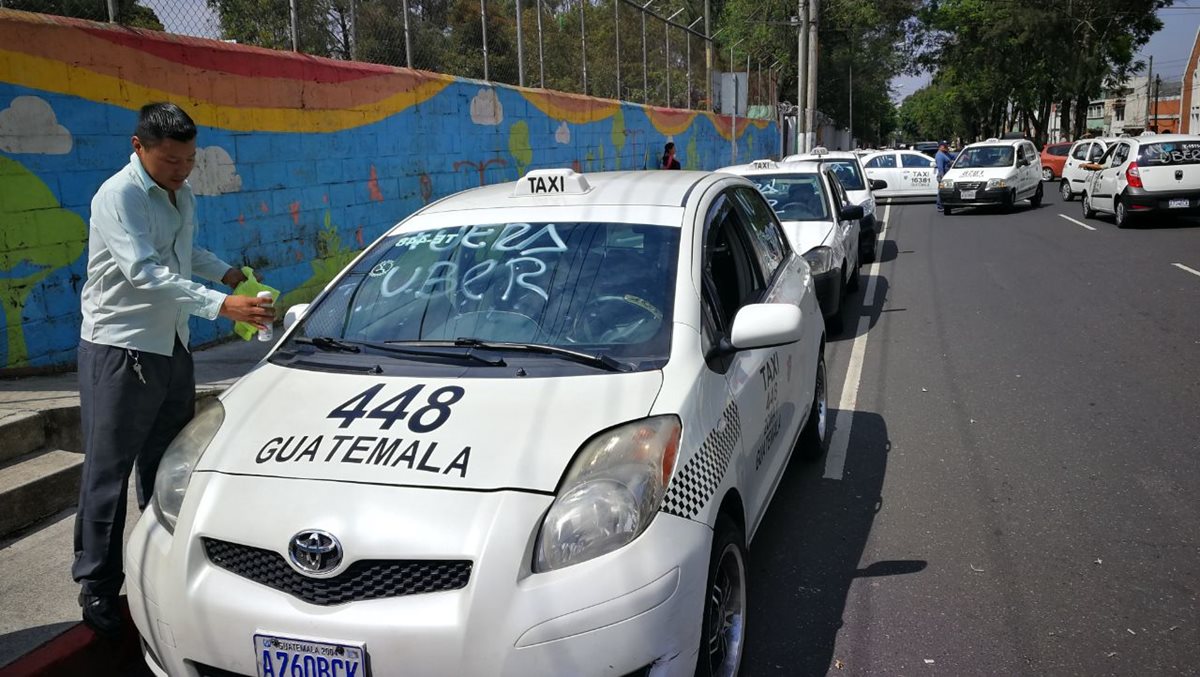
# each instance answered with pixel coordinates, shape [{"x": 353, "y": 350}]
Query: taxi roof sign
[
  {"x": 552, "y": 182},
  {"x": 763, "y": 164},
  {"x": 820, "y": 150}
]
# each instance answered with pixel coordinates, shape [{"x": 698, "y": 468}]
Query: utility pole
[
  {"x": 1149, "y": 84},
  {"x": 520, "y": 47},
  {"x": 801, "y": 72},
  {"x": 707, "y": 54},
  {"x": 1157, "y": 91},
  {"x": 814, "y": 8}
]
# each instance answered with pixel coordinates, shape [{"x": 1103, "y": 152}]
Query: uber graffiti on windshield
[{"x": 448, "y": 277}]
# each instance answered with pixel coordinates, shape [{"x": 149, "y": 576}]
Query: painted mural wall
[{"x": 302, "y": 161}]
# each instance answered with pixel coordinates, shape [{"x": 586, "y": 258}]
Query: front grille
[
  {"x": 364, "y": 579},
  {"x": 969, "y": 185}
]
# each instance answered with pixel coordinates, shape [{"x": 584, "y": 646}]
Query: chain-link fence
[{"x": 651, "y": 52}]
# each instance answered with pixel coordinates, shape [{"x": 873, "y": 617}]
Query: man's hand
[
  {"x": 233, "y": 277},
  {"x": 250, "y": 309}
]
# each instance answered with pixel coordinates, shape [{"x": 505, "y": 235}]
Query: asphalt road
[{"x": 1019, "y": 491}]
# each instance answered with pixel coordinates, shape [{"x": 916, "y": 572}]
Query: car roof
[
  {"x": 760, "y": 167},
  {"x": 828, "y": 155},
  {"x": 657, "y": 188},
  {"x": 1156, "y": 138},
  {"x": 997, "y": 142}
]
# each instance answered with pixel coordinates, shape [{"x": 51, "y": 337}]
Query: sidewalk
[{"x": 37, "y": 596}]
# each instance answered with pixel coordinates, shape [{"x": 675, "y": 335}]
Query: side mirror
[
  {"x": 851, "y": 213},
  {"x": 293, "y": 315},
  {"x": 878, "y": 184},
  {"x": 764, "y": 325}
]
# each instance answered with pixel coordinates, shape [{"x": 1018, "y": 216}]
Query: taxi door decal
[{"x": 693, "y": 486}]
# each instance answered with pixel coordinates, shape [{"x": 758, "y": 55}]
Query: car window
[
  {"x": 916, "y": 161},
  {"x": 731, "y": 272},
  {"x": 840, "y": 199},
  {"x": 1169, "y": 153},
  {"x": 1121, "y": 155},
  {"x": 1080, "y": 152},
  {"x": 847, "y": 172},
  {"x": 1020, "y": 153},
  {"x": 766, "y": 236},
  {"x": 883, "y": 162},
  {"x": 610, "y": 286},
  {"x": 793, "y": 197},
  {"x": 1059, "y": 151},
  {"x": 984, "y": 156},
  {"x": 1097, "y": 153}
]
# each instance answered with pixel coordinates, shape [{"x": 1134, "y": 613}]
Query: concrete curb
[{"x": 80, "y": 651}]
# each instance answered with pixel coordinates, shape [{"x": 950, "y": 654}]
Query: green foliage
[
  {"x": 323, "y": 25},
  {"x": 129, "y": 13}
]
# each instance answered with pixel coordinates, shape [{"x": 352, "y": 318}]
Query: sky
[{"x": 1170, "y": 48}]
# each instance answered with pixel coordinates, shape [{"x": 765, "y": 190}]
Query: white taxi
[
  {"x": 859, "y": 188},
  {"x": 1146, "y": 175},
  {"x": 821, "y": 222},
  {"x": 993, "y": 172},
  {"x": 1074, "y": 176},
  {"x": 906, "y": 173},
  {"x": 529, "y": 431}
]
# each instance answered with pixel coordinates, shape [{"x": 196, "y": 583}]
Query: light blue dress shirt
[{"x": 139, "y": 290}]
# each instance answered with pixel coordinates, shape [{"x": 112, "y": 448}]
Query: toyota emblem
[{"x": 315, "y": 552}]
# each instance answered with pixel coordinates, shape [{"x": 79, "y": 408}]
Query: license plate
[
  {"x": 1178, "y": 204},
  {"x": 968, "y": 195},
  {"x": 288, "y": 657}
]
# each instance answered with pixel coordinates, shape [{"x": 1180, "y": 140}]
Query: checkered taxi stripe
[{"x": 694, "y": 485}]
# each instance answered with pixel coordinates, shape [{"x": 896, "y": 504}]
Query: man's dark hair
[
  {"x": 667, "y": 148},
  {"x": 158, "y": 121}
]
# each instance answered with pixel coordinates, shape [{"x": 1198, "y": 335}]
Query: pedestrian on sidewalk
[
  {"x": 942, "y": 160},
  {"x": 668, "y": 158},
  {"x": 136, "y": 384}
]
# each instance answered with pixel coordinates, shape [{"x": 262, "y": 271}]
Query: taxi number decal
[
  {"x": 772, "y": 424},
  {"x": 428, "y": 418},
  {"x": 545, "y": 184}
]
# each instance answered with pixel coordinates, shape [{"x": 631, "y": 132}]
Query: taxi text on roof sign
[
  {"x": 763, "y": 164},
  {"x": 552, "y": 182}
]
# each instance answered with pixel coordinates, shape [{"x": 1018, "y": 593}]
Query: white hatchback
[
  {"x": 1074, "y": 176},
  {"x": 529, "y": 431},
  {"x": 821, "y": 222},
  {"x": 1152, "y": 174},
  {"x": 907, "y": 173},
  {"x": 993, "y": 172}
]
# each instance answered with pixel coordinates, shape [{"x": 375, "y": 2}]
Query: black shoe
[{"x": 102, "y": 613}]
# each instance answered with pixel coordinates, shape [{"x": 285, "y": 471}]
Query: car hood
[
  {"x": 804, "y": 235},
  {"x": 478, "y": 433}
]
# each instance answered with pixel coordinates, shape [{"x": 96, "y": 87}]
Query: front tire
[
  {"x": 1047, "y": 174},
  {"x": 1086, "y": 203},
  {"x": 1064, "y": 191},
  {"x": 723, "y": 629},
  {"x": 1036, "y": 200},
  {"x": 947, "y": 211},
  {"x": 811, "y": 445}
]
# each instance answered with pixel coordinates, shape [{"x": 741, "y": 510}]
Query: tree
[
  {"x": 129, "y": 13},
  {"x": 323, "y": 25}
]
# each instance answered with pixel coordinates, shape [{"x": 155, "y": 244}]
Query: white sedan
[
  {"x": 908, "y": 174},
  {"x": 529, "y": 431},
  {"x": 821, "y": 221}
]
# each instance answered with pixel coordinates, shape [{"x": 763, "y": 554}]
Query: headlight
[
  {"x": 946, "y": 185},
  {"x": 820, "y": 259},
  {"x": 180, "y": 458},
  {"x": 610, "y": 494},
  {"x": 993, "y": 184}
]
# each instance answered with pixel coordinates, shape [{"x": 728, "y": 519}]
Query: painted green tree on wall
[{"x": 39, "y": 237}]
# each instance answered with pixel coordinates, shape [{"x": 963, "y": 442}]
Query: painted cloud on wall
[
  {"x": 215, "y": 172},
  {"x": 29, "y": 125},
  {"x": 486, "y": 108},
  {"x": 563, "y": 135}
]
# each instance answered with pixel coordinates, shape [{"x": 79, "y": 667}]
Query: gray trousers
[{"x": 126, "y": 424}]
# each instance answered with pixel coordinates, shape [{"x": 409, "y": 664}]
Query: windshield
[
  {"x": 984, "y": 156},
  {"x": 794, "y": 197},
  {"x": 1169, "y": 153},
  {"x": 593, "y": 287}
]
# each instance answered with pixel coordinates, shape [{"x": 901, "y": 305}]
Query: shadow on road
[
  {"x": 808, "y": 552},
  {"x": 855, "y": 305}
]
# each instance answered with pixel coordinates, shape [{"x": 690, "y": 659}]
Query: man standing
[
  {"x": 136, "y": 384},
  {"x": 942, "y": 160}
]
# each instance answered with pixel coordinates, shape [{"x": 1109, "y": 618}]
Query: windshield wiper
[
  {"x": 350, "y": 346},
  {"x": 599, "y": 360},
  {"x": 328, "y": 343}
]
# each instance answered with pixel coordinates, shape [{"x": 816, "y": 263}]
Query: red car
[{"x": 1054, "y": 156}]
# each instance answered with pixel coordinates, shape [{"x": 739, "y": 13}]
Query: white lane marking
[
  {"x": 1193, "y": 271},
  {"x": 835, "y": 459},
  {"x": 1078, "y": 223}
]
